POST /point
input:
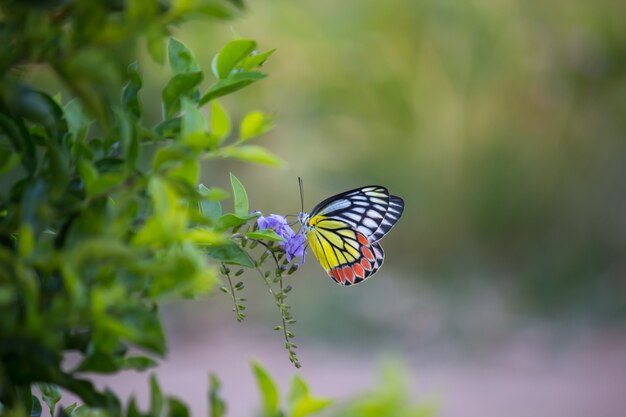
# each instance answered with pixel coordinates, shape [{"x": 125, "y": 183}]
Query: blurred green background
[{"x": 501, "y": 124}]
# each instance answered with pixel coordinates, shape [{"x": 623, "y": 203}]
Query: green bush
[{"x": 102, "y": 217}]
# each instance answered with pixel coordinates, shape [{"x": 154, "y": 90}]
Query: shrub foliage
[{"x": 102, "y": 216}]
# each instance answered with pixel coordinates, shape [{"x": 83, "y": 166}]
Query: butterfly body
[{"x": 343, "y": 231}]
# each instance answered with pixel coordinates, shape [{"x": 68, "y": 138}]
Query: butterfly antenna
[{"x": 301, "y": 194}]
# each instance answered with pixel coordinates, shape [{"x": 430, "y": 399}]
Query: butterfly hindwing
[
  {"x": 344, "y": 231},
  {"x": 371, "y": 259}
]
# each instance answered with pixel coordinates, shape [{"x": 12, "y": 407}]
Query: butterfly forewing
[
  {"x": 344, "y": 231},
  {"x": 364, "y": 209}
]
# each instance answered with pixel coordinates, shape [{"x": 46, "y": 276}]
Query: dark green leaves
[
  {"x": 181, "y": 85},
  {"x": 229, "y": 253},
  {"x": 35, "y": 411},
  {"x": 187, "y": 76},
  {"x": 180, "y": 57},
  {"x": 105, "y": 218},
  {"x": 130, "y": 93},
  {"x": 51, "y": 394}
]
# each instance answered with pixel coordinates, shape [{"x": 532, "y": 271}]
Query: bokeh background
[{"x": 503, "y": 126}]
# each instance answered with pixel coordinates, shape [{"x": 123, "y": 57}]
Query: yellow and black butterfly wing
[{"x": 344, "y": 231}]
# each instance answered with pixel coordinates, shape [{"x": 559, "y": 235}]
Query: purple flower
[
  {"x": 294, "y": 244},
  {"x": 277, "y": 223}
]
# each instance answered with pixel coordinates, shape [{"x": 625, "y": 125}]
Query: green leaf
[
  {"x": 180, "y": 57},
  {"x": 230, "y": 84},
  {"x": 210, "y": 206},
  {"x": 35, "y": 410},
  {"x": 195, "y": 127},
  {"x": 21, "y": 141},
  {"x": 240, "y": 196},
  {"x": 182, "y": 270},
  {"x": 250, "y": 153},
  {"x": 69, "y": 410},
  {"x": 133, "y": 409},
  {"x": 204, "y": 237},
  {"x": 156, "y": 397},
  {"x": 265, "y": 234},
  {"x": 217, "y": 406},
  {"x": 213, "y": 193},
  {"x": 229, "y": 220},
  {"x": 51, "y": 394},
  {"x": 183, "y": 8},
  {"x": 180, "y": 85},
  {"x": 8, "y": 161},
  {"x": 130, "y": 92},
  {"x": 34, "y": 106},
  {"x": 268, "y": 390},
  {"x": 166, "y": 156},
  {"x": 26, "y": 240},
  {"x": 168, "y": 128},
  {"x": 300, "y": 401},
  {"x": 230, "y": 55},
  {"x": 255, "y": 60},
  {"x": 100, "y": 362},
  {"x": 127, "y": 135},
  {"x": 176, "y": 408},
  {"x": 297, "y": 390},
  {"x": 138, "y": 363},
  {"x": 255, "y": 124},
  {"x": 310, "y": 405},
  {"x": 229, "y": 253},
  {"x": 156, "y": 45},
  {"x": 220, "y": 122},
  {"x": 78, "y": 121},
  {"x": 89, "y": 174},
  {"x": 188, "y": 172},
  {"x": 143, "y": 328}
]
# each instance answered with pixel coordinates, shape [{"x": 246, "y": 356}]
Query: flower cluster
[{"x": 294, "y": 244}]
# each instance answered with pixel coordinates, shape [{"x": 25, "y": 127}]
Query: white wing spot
[
  {"x": 353, "y": 216},
  {"x": 336, "y": 205},
  {"x": 365, "y": 230},
  {"x": 374, "y": 214},
  {"x": 369, "y": 223}
]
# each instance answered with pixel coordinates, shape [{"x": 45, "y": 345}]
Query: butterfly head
[{"x": 303, "y": 218}]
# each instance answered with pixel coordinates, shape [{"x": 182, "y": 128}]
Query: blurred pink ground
[{"x": 584, "y": 377}]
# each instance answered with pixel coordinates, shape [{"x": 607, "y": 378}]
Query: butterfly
[{"x": 344, "y": 231}]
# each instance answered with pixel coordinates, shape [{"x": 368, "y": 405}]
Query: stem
[
  {"x": 240, "y": 314},
  {"x": 279, "y": 302}
]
